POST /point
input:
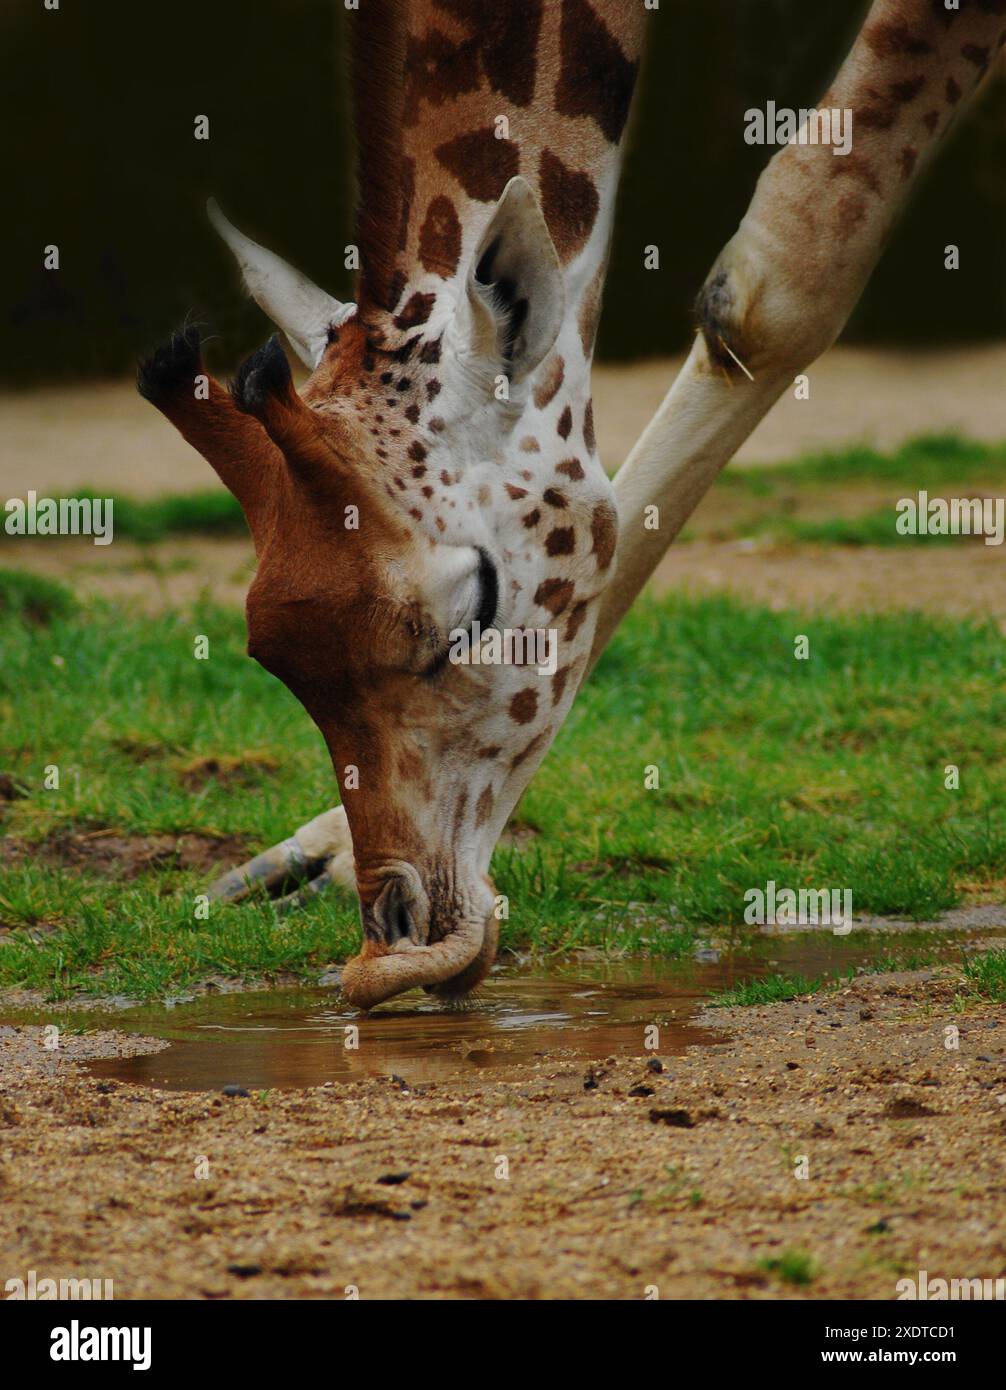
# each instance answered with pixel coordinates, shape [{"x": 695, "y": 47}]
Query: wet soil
[
  {"x": 115, "y": 854},
  {"x": 565, "y": 1178}
]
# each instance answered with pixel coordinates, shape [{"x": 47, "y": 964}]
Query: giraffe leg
[
  {"x": 784, "y": 286},
  {"x": 320, "y": 853}
]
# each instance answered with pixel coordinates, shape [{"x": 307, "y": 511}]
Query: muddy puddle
[
  {"x": 533, "y": 1014},
  {"x": 537, "y": 1014}
]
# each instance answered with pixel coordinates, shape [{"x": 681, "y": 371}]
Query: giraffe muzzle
[{"x": 398, "y": 953}]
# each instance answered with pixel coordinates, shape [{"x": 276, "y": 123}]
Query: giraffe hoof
[{"x": 268, "y": 871}]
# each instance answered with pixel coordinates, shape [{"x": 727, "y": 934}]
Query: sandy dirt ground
[
  {"x": 105, "y": 436},
  {"x": 621, "y": 1178},
  {"x": 964, "y": 581}
]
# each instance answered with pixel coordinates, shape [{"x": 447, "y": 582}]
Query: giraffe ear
[
  {"x": 515, "y": 288},
  {"x": 303, "y": 311}
]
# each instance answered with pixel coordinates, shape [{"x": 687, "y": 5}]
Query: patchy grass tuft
[{"x": 822, "y": 773}]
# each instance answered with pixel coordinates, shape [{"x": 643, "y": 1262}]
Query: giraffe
[
  {"x": 777, "y": 296},
  {"x": 439, "y": 468}
]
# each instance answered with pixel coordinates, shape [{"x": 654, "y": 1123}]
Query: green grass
[
  {"x": 770, "y": 502},
  {"x": 819, "y": 773},
  {"x": 206, "y": 513},
  {"x": 27, "y": 598},
  {"x": 935, "y": 460},
  {"x": 872, "y": 528},
  {"x": 986, "y": 975},
  {"x": 772, "y": 989},
  {"x": 792, "y": 1267}
]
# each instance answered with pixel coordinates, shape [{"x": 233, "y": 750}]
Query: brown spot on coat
[
  {"x": 857, "y": 167},
  {"x": 907, "y": 158},
  {"x": 508, "y": 42},
  {"x": 524, "y": 706},
  {"x": 570, "y": 203},
  {"x": 438, "y": 70},
  {"x": 510, "y": 47},
  {"x": 974, "y": 53},
  {"x": 532, "y": 518},
  {"x": 559, "y": 684},
  {"x": 554, "y": 594},
  {"x": 887, "y": 40},
  {"x": 909, "y": 88},
  {"x": 482, "y": 165},
  {"x": 851, "y": 211},
  {"x": 516, "y": 492},
  {"x": 954, "y": 92},
  {"x": 531, "y": 749},
  {"x": 416, "y": 311},
  {"x": 554, "y": 498},
  {"x": 604, "y": 529},
  {"x": 588, "y": 428},
  {"x": 560, "y": 541},
  {"x": 596, "y": 79},
  {"x": 879, "y": 117},
  {"x": 575, "y": 621},
  {"x": 571, "y": 468},
  {"x": 590, "y": 311},
  {"x": 530, "y": 445},
  {"x": 565, "y": 424},
  {"x": 550, "y": 378},
  {"x": 483, "y": 807},
  {"x": 440, "y": 238}
]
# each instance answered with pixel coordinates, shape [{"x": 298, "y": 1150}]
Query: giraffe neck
[{"x": 490, "y": 92}]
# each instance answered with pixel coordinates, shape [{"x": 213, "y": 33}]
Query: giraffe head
[{"x": 400, "y": 508}]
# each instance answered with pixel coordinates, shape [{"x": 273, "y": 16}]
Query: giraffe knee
[
  {"x": 722, "y": 321},
  {"x": 756, "y": 319}
]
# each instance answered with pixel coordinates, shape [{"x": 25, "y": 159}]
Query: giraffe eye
[{"x": 489, "y": 587}]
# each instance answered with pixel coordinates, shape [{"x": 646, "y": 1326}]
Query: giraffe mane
[{"x": 377, "y": 34}]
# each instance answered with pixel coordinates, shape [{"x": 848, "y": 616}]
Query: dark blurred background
[{"x": 100, "y": 159}]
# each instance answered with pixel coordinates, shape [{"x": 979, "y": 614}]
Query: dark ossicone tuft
[
  {"x": 172, "y": 368},
  {"x": 265, "y": 373},
  {"x": 377, "y": 37}
]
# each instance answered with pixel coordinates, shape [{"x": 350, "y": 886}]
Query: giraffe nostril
[
  {"x": 402, "y": 924},
  {"x": 396, "y": 915}
]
